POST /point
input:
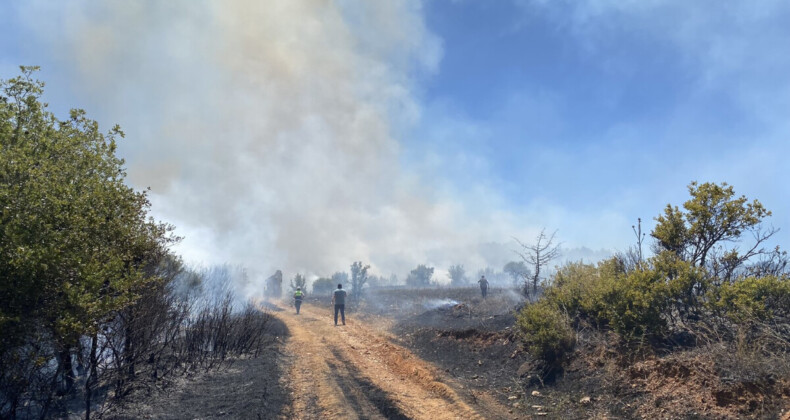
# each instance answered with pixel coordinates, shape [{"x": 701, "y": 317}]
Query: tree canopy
[
  {"x": 359, "y": 277},
  {"x": 420, "y": 276},
  {"x": 711, "y": 217},
  {"x": 75, "y": 239}
]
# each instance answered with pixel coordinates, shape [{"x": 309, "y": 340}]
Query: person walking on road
[
  {"x": 339, "y": 300},
  {"x": 298, "y": 296},
  {"x": 483, "y": 286}
]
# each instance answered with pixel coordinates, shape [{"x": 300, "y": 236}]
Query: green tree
[
  {"x": 74, "y": 238},
  {"x": 359, "y": 276},
  {"x": 420, "y": 276},
  {"x": 711, "y": 217}
]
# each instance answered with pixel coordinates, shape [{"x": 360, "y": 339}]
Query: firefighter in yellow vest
[{"x": 298, "y": 296}]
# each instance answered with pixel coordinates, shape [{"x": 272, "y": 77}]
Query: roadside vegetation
[
  {"x": 92, "y": 302},
  {"x": 712, "y": 289}
]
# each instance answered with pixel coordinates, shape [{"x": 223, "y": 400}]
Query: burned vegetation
[{"x": 93, "y": 306}]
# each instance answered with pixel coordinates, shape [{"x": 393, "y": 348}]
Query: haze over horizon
[{"x": 304, "y": 135}]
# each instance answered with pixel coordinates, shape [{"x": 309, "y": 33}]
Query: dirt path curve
[{"x": 355, "y": 372}]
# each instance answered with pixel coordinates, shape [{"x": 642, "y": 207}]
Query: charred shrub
[
  {"x": 215, "y": 334},
  {"x": 170, "y": 330}
]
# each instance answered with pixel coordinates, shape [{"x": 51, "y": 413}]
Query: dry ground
[
  {"x": 375, "y": 367},
  {"x": 356, "y": 371}
]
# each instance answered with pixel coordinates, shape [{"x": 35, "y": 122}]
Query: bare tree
[
  {"x": 727, "y": 264},
  {"x": 632, "y": 259},
  {"x": 539, "y": 255},
  {"x": 774, "y": 263},
  {"x": 640, "y": 237}
]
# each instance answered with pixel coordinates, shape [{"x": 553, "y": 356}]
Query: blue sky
[
  {"x": 590, "y": 105},
  {"x": 450, "y": 123}
]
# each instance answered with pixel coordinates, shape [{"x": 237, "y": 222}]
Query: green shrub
[
  {"x": 546, "y": 331},
  {"x": 634, "y": 305},
  {"x": 759, "y": 298},
  {"x": 630, "y": 304},
  {"x": 572, "y": 286},
  {"x": 642, "y": 302},
  {"x": 685, "y": 282}
]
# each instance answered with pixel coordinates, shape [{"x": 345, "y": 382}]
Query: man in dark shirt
[
  {"x": 339, "y": 300},
  {"x": 483, "y": 286}
]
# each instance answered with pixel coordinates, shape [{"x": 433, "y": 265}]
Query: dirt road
[{"x": 355, "y": 372}]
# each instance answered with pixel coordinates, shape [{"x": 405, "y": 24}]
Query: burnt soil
[
  {"x": 249, "y": 388},
  {"x": 475, "y": 342},
  {"x": 468, "y": 345}
]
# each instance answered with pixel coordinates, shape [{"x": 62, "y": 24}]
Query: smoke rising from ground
[
  {"x": 439, "y": 303},
  {"x": 268, "y": 131}
]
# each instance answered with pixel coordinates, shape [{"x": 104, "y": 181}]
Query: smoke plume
[{"x": 268, "y": 131}]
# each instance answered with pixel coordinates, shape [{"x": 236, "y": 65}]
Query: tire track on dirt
[{"x": 354, "y": 372}]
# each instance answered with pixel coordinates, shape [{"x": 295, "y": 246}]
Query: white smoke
[
  {"x": 439, "y": 303},
  {"x": 268, "y": 130}
]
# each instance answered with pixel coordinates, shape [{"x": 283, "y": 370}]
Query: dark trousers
[
  {"x": 342, "y": 309},
  {"x": 298, "y": 304},
  {"x": 484, "y": 291}
]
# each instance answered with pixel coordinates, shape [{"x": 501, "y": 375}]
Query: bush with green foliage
[
  {"x": 75, "y": 237},
  {"x": 77, "y": 246},
  {"x": 635, "y": 305},
  {"x": 631, "y": 304},
  {"x": 546, "y": 331},
  {"x": 691, "y": 277},
  {"x": 752, "y": 298},
  {"x": 713, "y": 216}
]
